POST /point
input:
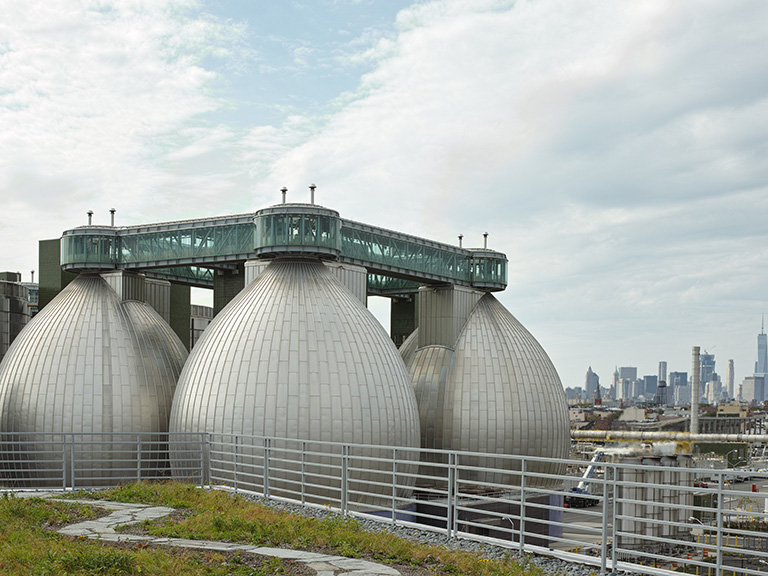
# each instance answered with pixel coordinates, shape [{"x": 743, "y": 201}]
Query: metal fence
[{"x": 648, "y": 514}]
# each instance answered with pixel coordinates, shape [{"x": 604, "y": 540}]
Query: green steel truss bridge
[{"x": 189, "y": 251}]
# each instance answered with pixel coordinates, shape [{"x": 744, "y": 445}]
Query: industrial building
[
  {"x": 292, "y": 351},
  {"x": 18, "y": 303}
]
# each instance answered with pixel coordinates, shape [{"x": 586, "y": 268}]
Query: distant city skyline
[{"x": 628, "y": 384}]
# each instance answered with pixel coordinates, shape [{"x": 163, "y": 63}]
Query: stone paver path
[{"x": 122, "y": 514}]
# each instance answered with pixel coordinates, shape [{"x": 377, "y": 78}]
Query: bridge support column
[
  {"x": 226, "y": 285},
  {"x": 180, "y": 312},
  {"x": 403, "y": 317},
  {"x": 52, "y": 279}
]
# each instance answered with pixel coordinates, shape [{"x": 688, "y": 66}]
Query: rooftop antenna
[
  {"x": 283, "y": 190},
  {"x": 312, "y": 193},
  {"x": 461, "y": 237},
  {"x": 762, "y": 327},
  {"x": 112, "y": 215},
  {"x": 485, "y": 240},
  {"x": 90, "y": 216}
]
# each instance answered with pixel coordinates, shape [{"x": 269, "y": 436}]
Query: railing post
[
  {"x": 719, "y": 541},
  {"x": 344, "y": 479},
  {"x": 267, "y": 444},
  {"x": 523, "y": 470},
  {"x": 138, "y": 457},
  {"x": 303, "y": 471},
  {"x": 63, "y": 461},
  {"x": 235, "y": 471},
  {"x": 72, "y": 462},
  {"x": 202, "y": 459},
  {"x": 614, "y": 525},
  {"x": 394, "y": 485},
  {"x": 609, "y": 473},
  {"x": 450, "y": 510}
]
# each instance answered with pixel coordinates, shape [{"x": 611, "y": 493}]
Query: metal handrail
[{"x": 648, "y": 518}]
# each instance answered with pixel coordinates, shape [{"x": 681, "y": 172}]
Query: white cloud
[
  {"x": 616, "y": 151},
  {"x": 611, "y": 149}
]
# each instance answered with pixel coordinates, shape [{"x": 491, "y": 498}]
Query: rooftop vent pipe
[
  {"x": 33, "y": 275},
  {"x": 284, "y": 190},
  {"x": 485, "y": 240},
  {"x": 461, "y": 237},
  {"x": 90, "y": 216},
  {"x": 312, "y": 193},
  {"x": 112, "y": 215}
]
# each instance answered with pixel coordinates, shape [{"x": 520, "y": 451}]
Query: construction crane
[{"x": 580, "y": 496}]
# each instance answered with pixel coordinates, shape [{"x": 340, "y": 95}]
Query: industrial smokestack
[
  {"x": 729, "y": 380},
  {"x": 695, "y": 386}
]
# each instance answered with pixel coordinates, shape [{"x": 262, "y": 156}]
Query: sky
[{"x": 616, "y": 152}]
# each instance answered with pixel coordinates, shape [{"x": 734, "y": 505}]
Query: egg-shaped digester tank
[
  {"x": 495, "y": 392},
  {"x": 296, "y": 356},
  {"x": 95, "y": 371}
]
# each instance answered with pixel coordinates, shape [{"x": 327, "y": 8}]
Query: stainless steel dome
[
  {"x": 495, "y": 392},
  {"x": 296, "y": 355},
  {"x": 89, "y": 362}
]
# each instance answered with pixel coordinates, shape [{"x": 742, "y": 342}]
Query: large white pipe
[
  {"x": 695, "y": 389},
  {"x": 662, "y": 436}
]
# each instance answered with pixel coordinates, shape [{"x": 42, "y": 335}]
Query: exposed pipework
[
  {"x": 695, "y": 389},
  {"x": 665, "y": 436}
]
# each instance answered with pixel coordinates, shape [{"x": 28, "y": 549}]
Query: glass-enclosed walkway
[{"x": 188, "y": 251}]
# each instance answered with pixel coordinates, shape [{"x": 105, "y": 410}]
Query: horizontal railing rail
[{"x": 657, "y": 515}]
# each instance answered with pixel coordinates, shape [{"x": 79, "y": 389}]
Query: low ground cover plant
[{"x": 29, "y": 543}]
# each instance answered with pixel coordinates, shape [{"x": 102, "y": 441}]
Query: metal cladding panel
[
  {"x": 253, "y": 268},
  {"x": 505, "y": 396},
  {"x": 408, "y": 348},
  {"x": 127, "y": 285},
  {"x": 355, "y": 278},
  {"x": 443, "y": 312},
  {"x": 89, "y": 362},
  {"x": 430, "y": 371},
  {"x": 296, "y": 355},
  {"x": 158, "y": 295},
  {"x": 496, "y": 391}
]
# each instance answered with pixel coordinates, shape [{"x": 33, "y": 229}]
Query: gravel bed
[{"x": 550, "y": 565}]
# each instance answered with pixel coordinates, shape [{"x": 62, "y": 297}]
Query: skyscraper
[
  {"x": 707, "y": 368},
  {"x": 761, "y": 366},
  {"x": 662, "y": 372},
  {"x": 626, "y": 384},
  {"x": 650, "y": 386},
  {"x": 591, "y": 384},
  {"x": 753, "y": 389}
]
